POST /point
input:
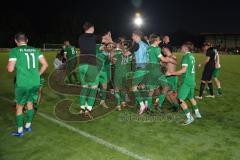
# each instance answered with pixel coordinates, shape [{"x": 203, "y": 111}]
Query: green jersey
[
  {"x": 103, "y": 59},
  {"x": 188, "y": 61},
  {"x": 70, "y": 52},
  {"x": 122, "y": 62},
  {"x": 27, "y": 65},
  {"x": 154, "y": 54}
]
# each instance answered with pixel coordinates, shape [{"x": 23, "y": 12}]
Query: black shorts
[{"x": 207, "y": 73}]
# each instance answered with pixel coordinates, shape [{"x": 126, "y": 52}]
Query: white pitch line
[{"x": 89, "y": 136}]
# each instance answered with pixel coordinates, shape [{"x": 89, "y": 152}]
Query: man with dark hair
[
  {"x": 25, "y": 60},
  {"x": 155, "y": 76},
  {"x": 209, "y": 68},
  {"x": 187, "y": 87},
  {"x": 87, "y": 41},
  {"x": 90, "y": 68},
  {"x": 166, "y": 42}
]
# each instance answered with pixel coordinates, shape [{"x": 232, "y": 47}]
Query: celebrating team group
[{"x": 145, "y": 67}]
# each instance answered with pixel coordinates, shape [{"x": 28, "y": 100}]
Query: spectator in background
[
  {"x": 59, "y": 67},
  {"x": 166, "y": 39},
  {"x": 166, "y": 42},
  {"x": 61, "y": 53},
  {"x": 146, "y": 39}
]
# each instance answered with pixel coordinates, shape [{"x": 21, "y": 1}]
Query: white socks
[{"x": 20, "y": 129}]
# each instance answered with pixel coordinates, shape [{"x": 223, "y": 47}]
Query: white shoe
[
  {"x": 88, "y": 114},
  {"x": 119, "y": 108},
  {"x": 200, "y": 98},
  {"x": 188, "y": 121},
  {"x": 198, "y": 114},
  {"x": 210, "y": 96},
  {"x": 142, "y": 109},
  {"x": 103, "y": 104}
]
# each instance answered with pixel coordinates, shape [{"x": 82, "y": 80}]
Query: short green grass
[{"x": 216, "y": 136}]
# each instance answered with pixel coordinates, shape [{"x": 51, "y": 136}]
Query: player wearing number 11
[
  {"x": 25, "y": 60},
  {"x": 187, "y": 87}
]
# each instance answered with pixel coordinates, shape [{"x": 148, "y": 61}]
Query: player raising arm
[
  {"x": 25, "y": 61},
  {"x": 187, "y": 87}
]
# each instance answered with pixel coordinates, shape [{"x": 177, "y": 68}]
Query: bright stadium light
[{"x": 138, "y": 21}]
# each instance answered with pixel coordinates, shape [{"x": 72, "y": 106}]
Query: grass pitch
[{"x": 216, "y": 136}]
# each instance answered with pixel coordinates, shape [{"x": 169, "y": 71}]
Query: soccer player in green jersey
[
  {"x": 187, "y": 88},
  {"x": 121, "y": 60},
  {"x": 105, "y": 73},
  {"x": 156, "y": 77},
  {"x": 25, "y": 61},
  {"x": 70, "y": 54}
]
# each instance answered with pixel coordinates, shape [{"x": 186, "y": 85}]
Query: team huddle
[{"x": 146, "y": 67}]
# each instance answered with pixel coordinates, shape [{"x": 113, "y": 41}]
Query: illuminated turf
[{"x": 216, "y": 136}]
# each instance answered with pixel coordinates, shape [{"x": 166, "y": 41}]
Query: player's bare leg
[{"x": 172, "y": 98}]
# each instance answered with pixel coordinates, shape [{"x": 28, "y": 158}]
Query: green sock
[
  {"x": 118, "y": 98},
  {"x": 92, "y": 96},
  {"x": 75, "y": 77},
  {"x": 104, "y": 94},
  {"x": 83, "y": 96},
  {"x": 161, "y": 100},
  {"x": 70, "y": 78},
  {"x": 123, "y": 95},
  {"x": 175, "y": 105},
  {"x": 137, "y": 95},
  {"x": 29, "y": 117},
  {"x": 219, "y": 90},
  {"x": 19, "y": 119},
  {"x": 149, "y": 100},
  {"x": 187, "y": 113},
  {"x": 195, "y": 107},
  {"x": 36, "y": 106}
]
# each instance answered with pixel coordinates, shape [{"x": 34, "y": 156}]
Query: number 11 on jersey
[{"x": 28, "y": 60}]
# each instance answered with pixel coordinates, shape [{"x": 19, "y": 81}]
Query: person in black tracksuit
[{"x": 209, "y": 67}]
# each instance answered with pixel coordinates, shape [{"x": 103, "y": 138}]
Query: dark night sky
[{"x": 48, "y": 18}]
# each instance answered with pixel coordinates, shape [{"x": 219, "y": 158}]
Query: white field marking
[{"x": 89, "y": 136}]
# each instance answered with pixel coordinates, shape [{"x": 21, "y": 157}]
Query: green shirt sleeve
[
  {"x": 12, "y": 55},
  {"x": 158, "y": 52},
  {"x": 39, "y": 54},
  {"x": 185, "y": 61}
]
